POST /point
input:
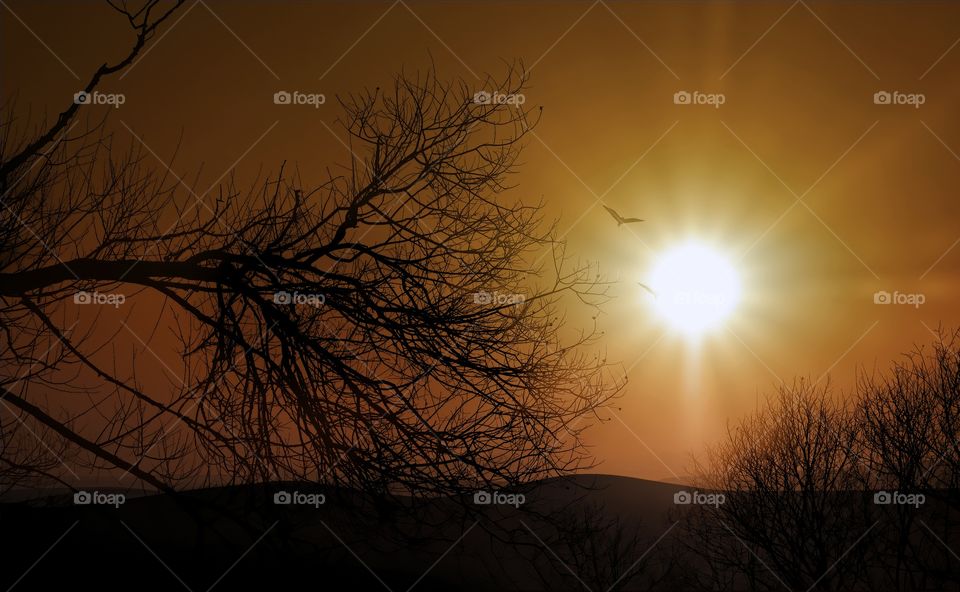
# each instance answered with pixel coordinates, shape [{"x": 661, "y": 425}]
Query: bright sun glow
[{"x": 696, "y": 288}]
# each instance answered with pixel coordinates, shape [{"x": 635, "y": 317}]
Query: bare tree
[
  {"x": 586, "y": 546},
  {"x": 911, "y": 418},
  {"x": 790, "y": 475},
  {"x": 25, "y": 457},
  {"x": 386, "y": 328},
  {"x": 910, "y": 426},
  {"x": 809, "y": 481}
]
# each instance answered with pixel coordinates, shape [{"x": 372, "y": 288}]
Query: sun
[{"x": 695, "y": 287}]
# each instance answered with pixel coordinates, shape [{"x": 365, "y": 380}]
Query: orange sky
[{"x": 877, "y": 205}]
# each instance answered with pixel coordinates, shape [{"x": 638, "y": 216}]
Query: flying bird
[{"x": 620, "y": 219}]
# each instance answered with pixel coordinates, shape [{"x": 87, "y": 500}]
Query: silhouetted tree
[
  {"x": 909, "y": 420},
  {"x": 387, "y": 328},
  {"x": 586, "y": 547},
  {"x": 790, "y": 474},
  {"x": 800, "y": 478}
]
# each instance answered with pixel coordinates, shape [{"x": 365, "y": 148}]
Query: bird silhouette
[{"x": 620, "y": 219}]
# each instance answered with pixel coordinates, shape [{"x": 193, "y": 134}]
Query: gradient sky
[{"x": 819, "y": 196}]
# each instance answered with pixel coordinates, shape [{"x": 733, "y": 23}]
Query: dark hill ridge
[
  {"x": 578, "y": 532},
  {"x": 621, "y": 494},
  {"x": 201, "y": 533}
]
